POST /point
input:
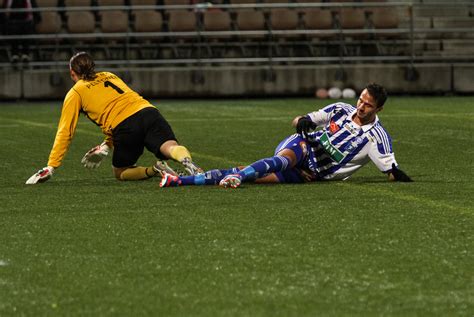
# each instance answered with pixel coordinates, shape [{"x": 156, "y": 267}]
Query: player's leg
[
  {"x": 263, "y": 167},
  {"x": 268, "y": 179},
  {"x": 290, "y": 152},
  {"x": 231, "y": 177},
  {"x": 289, "y": 176},
  {"x": 13, "y": 28},
  {"x": 134, "y": 173},
  {"x": 179, "y": 153},
  {"x": 160, "y": 140},
  {"x": 212, "y": 177},
  {"x": 262, "y": 171},
  {"x": 279, "y": 168},
  {"x": 128, "y": 147}
]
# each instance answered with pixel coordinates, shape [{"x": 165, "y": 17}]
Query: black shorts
[{"x": 145, "y": 129}]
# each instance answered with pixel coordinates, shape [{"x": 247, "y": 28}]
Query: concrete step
[
  {"x": 453, "y": 22},
  {"x": 418, "y": 23},
  {"x": 430, "y": 54},
  {"x": 453, "y": 2},
  {"x": 443, "y": 54},
  {"x": 441, "y": 11},
  {"x": 430, "y": 45},
  {"x": 465, "y": 47}
]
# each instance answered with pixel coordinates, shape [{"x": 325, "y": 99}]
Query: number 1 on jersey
[{"x": 109, "y": 84}]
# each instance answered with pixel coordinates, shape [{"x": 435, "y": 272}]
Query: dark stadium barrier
[{"x": 245, "y": 80}]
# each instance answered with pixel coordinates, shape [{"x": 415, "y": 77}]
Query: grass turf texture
[{"x": 86, "y": 244}]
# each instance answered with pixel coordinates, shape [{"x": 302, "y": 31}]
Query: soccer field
[{"x": 85, "y": 244}]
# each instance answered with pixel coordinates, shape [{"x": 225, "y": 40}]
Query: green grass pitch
[{"x": 84, "y": 244}]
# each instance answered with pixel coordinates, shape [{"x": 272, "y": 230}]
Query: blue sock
[
  {"x": 212, "y": 177},
  {"x": 265, "y": 166}
]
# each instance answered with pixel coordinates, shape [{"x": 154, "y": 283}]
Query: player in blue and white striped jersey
[{"x": 348, "y": 138}]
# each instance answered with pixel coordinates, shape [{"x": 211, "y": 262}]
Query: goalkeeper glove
[
  {"x": 94, "y": 157},
  {"x": 304, "y": 125},
  {"x": 399, "y": 175},
  {"x": 41, "y": 176}
]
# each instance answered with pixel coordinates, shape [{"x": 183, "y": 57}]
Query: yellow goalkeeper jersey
[{"x": 106, "y": 100}]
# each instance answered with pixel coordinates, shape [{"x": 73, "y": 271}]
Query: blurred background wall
[{"x": 242, "y": 48}]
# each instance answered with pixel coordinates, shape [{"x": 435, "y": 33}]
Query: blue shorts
[{"x": 303, "y": 154}]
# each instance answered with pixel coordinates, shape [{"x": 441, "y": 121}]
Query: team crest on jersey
[
  {"x": 353, "y": 144},
  {"x": 303, "y": 147},
  {"x": 333, "y": 127},
  {"x": 349, "y": 128},
  {"x": 359, "y": 140}
]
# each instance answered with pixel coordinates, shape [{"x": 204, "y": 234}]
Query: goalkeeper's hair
[
  {"x": 378, "y": 93},
  {"x": 83, "y": 65}
]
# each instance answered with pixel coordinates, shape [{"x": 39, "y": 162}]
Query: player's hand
[
  {"x": 41, "y": 176},
  {"x": 308, "y": 176},
  {"x": 94, "y": 157},
  {"x": 399, "y": 175},
  {"x": 304, "y": 126}
]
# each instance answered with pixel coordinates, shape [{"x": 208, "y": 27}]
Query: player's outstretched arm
[
  {"x": 94, "y": 156},
  {"x": 398, "y": 175},
  {"x": 41, "y": 176}
]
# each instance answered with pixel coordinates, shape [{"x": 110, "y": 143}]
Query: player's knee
[
  {"x": 167, "y": 147},
  {"x": 118, "y": 173},
  {"x": 290, "y": 155}
]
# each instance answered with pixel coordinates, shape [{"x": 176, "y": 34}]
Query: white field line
[
  {"x": 462, "y": 116},
  {"x": 221, "y": 160},
  {"x": 84, "y": 131},
  {"x": 218, "y": 119},
  {"x": 214, "y": 119},
  {"x": 52, "y": 127},
  {"x": 6, "y": 126},
  {"x": 414, "y": 199},
  {"x": 405, "y": 197}
]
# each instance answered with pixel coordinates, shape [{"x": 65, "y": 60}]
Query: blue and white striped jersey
[{"x": 341, "y": 147}]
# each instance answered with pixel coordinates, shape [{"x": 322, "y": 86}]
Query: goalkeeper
[{"x": 129, "y": 122}]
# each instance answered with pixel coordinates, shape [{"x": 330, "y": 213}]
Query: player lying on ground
[
  {"x": 129, "y": 122},
  {"x": 348, "y": 139}
]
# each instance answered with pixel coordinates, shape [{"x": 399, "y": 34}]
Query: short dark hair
[
  {"x": 83, "y": 65},
  {"x": 378, "y": 93}
]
